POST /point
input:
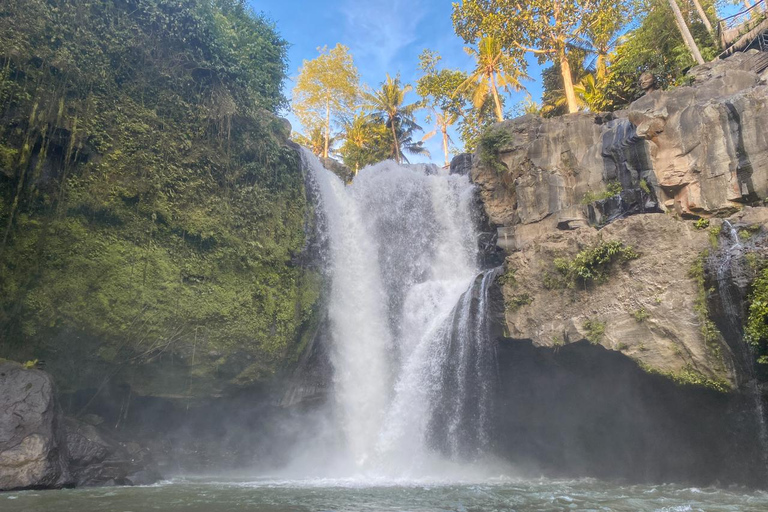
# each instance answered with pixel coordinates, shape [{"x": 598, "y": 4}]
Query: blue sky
[{"x": 384, "y": 36}]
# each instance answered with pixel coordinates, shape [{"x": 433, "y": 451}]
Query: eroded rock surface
[
  {"x": 41, "y": 449},
  {"x": 32, "y": 448},
  {"x": 554, "y": 187}
]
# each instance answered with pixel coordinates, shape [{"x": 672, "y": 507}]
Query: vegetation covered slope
[{"x": 151, "y": 212}]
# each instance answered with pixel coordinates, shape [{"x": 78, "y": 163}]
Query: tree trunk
[
  {"x": 703, "y": 16},
  {"x": 327, "y": 128},
  {"x": 444, "y": 129},
  {"x": 565, "y": 70},
  {"x": 395, "y": 141},
  {"x": 496, "y": 101},
  {"x": 687, "y": 37}
]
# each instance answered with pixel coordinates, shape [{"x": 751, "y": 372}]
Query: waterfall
[
  {"x": 727, "y": 262},
  {"x": 413, "y": 362}
]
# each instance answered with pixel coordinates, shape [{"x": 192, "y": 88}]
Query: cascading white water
[{"x": 407, "y": 312}]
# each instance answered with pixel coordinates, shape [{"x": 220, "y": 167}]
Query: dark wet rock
[
  {"x": 32, "y": 447},
  {"x": 462, "y": 164},
  {"x": 42, "y": 449},
  {"x": 96, "y": 458},
  {"x": 338, "y": 168}
]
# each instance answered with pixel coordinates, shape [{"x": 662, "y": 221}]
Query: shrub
[
  {"x": 589, "y": 266},
  {"x": 491, "y": 143},
  {"x": 595, "y": 330},
  {"x": 517, "y": 301},
  {"x": 641, "y": 315},
  {"x": 613, "y": 188},
  {"x": 756, "y": 328},
  {"x": 701, "y": 224}
]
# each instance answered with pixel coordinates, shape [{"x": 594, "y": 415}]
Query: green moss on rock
[{"x": 152, "y": 211}]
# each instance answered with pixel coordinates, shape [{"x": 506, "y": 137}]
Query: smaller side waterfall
[
  {"x": 729, "y": 266},
  {"x": 461, "y": 415}
]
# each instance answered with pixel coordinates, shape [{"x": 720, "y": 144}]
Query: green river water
[{"x": 212, "y": 495}]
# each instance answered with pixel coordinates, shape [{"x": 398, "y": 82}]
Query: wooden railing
[{"x": 732, "y": 28}]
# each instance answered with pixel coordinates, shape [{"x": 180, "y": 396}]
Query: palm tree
[
  {"x": 388, "y": 104},
  {"x": 685, "y": 32},
  {"x": 589, "y": 95},
  {"x": 494, "y": 70},
  {"x": 442, "y": 121},
  {"x": 316, "y": 140}
]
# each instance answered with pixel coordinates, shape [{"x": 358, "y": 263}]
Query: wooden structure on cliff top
[{"x": 744, "y": 30}]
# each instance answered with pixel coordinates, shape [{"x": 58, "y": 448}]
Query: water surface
[{"x": 210, "y": 495}]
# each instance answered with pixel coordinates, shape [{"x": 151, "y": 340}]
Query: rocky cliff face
[{"x": 558, "y": 188}]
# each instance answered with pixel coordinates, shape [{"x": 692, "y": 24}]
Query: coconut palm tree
[
  {"x": 388, "y": 104},
  {"x": 494, "y": 70},
  {"x": 442, "y": 121}
]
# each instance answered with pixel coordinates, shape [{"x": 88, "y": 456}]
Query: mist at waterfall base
[{"x": 413, "y": 366}]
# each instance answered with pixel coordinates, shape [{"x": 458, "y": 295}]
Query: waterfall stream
[
  {"x": 413, "y": 363},
  {"x": 731, "y": 301}
]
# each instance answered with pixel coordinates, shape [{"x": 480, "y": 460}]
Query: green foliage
[
  {"x": 756, "y": 328},
  {"x": 495, "y": 69},
  {"x": 475, "y": 123},
  {"x": 592, "y": 265},
  {"x": 595, "y": 330},
  {"x": 644, "y": 186},
  {"x": 707, "y": 327},
  {"x": 655, "y": 45},
  {"x": 747, "y": 232},
  {"x": 326, "y": 90},
  {"x": 439, "y": 88},
  {"x": 492, "y": 142},
  {"x": 641, "y": 315},
  {"x": 155, "y": 213},
  {"x": 689, "y": 376},
  {"x": 387, "y": 106},
  {"x": 612, "y": 189},
  {"x": 366, "y": 141},
  {"x": 701, "y": 224},
  {"x": 30, "y": 364},
  {"x": 714, "y": 236},
  {"x": 515, "y": 302}
]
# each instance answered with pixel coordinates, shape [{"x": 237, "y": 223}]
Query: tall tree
[
  {"x": 388, "y": 104},
  {"x": 703, "y": 16},
  {"x": 685, "y": 32},
  {"x": 601, "y": 31},
  {"x": 542, "y": 27},
  {"x": 494, "y": 69},
  {"x": 437, "y": 87},
  {"x": 366, "y": 141},
  {"x": 326, "y": 89}
]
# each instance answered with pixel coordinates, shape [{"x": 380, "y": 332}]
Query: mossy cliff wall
[{"x": 152, "y": 211}]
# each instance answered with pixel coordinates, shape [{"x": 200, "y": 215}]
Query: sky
[{"x": 384, "y": 36}]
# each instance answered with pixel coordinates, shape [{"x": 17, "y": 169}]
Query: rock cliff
[
  {"x": 561, "y": 190},
  {"x": 42, "y": 449}
]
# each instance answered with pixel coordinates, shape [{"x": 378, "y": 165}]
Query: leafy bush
[
  {"x": 701, "y": 224},
  {"x": 641, "y": 315},
  {"x": 612, "y": 189},
  {"x": 589, "y": 266},
  {"x": 756, "y": 329},
  {"x": 595, "y": 330},
  {"x": 492, "y": 141},
  {"x": 517, "y": 301}
]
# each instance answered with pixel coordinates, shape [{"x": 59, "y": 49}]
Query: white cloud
[{"x": 377, "y": 31}]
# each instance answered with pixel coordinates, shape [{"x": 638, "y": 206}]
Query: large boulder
[
  {"x": 97, "y": 459},
  {"x": 32, "y": 448},
  {"x": 42, "y": 449}
]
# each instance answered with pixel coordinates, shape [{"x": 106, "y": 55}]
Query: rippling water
[{"x": 209, "y": 495}]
